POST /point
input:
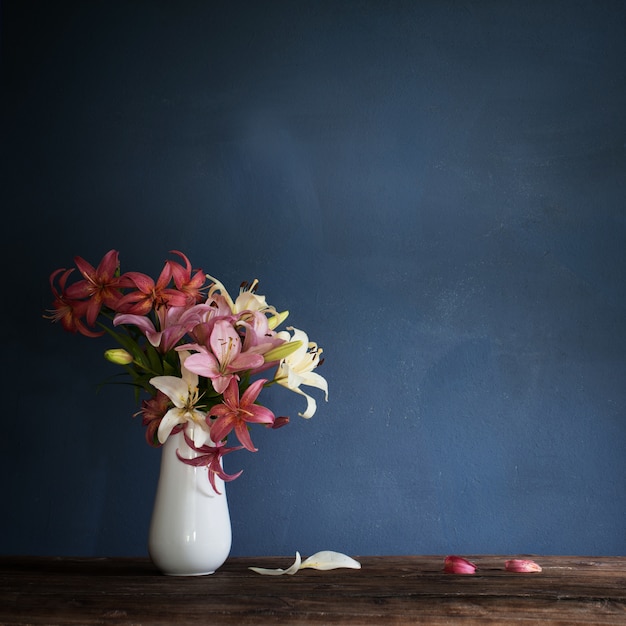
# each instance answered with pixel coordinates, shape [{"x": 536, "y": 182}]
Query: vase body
[{"x": 190, "y": 532}]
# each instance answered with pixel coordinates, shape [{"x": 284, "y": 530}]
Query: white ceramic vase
[{"x": 190, "y": 532}]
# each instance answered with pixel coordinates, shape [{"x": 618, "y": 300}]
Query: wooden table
[{"x": 386, "y": 590}]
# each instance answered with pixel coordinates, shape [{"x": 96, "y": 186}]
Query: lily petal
[
  {"x": 278, "y": 572},
  {"x": 327, "y": 559},
  {"x": 176, "y": 389},
  {"x": 170, "y": 420},
  {"x": 311, "y": 404},
  {"x": 324, "y": 560},
  {"x": 458, "y": 565},
  {"x": 524, "y": 566}
]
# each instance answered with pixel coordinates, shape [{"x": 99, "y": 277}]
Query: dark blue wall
[{"x": 437, "y": 192}]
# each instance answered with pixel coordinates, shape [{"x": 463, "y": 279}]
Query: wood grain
[{"x": 387, "y": 590}]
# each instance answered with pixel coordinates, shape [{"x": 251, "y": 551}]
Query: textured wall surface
[{"x": 437, "y": 193}]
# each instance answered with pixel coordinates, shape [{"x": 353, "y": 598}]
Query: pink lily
[
  {"x": 225, "y": 357},
  {"x": 258, "y": 337},
  {"x": 210, "y": 456},
  {"x": 523, "y": 566},
  {"x": 174, "y": 323},
  {"x": 235, "y": 413},
  {"x": 458, "y": 565}
]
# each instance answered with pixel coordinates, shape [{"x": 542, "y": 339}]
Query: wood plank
[{"x": 387, "y": 590}]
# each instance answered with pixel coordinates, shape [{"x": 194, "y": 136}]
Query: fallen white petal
[
  {"x": 327, "y": 559},
  {"x": 278, "y": 572},
  {"x": 324, "y": 560}
]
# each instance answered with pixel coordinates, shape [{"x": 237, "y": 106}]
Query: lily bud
[
  {"x": 523, "y": 566},
  {"x": 279, "y": 422},
  {"x": 119, "y": 356},
  {"x": 458, "y": 565},
  {"x": 276, "y": 320},
  {"x": 282, "y": 351}
]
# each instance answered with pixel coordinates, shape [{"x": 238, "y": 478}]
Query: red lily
[
  {"x": 190, "y": 285},
  {"x": 149, "y": 294},
  {"x": 236, "y": 413},
  {"x": 152, "y": 411},
  {"x": 211, "y": 457},
  {"x": 67, "y": 311},
  {"x": 100, "y": 286}
]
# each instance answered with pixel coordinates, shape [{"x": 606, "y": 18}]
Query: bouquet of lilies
[{"x": 201, "y": 357}]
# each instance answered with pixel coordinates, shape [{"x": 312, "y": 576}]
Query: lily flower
[
  {"x": 67, "y": 311},
  {"x": 297, "y": 369},
  {"x": 235, "y": 413},
  {"x": 211, "y": 457},
  {"x": 184, "y": 394},
  {"x": 225, "y": 357},
  {"x": 148, "y": 294},
  {"x": 247, "y": 300},
  {"x": 152, "y": 411},
  {"x": 100, "y": 286},
  {"x": 458, "y": 565},
  {"x": 523, "y": 566},
  {"x": 259, "y": 338},
  {"x": 190, "y": 285},
  {"x": 174, "y": 323}
]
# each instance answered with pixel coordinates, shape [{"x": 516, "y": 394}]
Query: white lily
[
  {"x": 324, "y": 560},
  {"x": 297, "y": 369},
  {"x": 247, "y": 300},
  {"x": 183, "y": 392}
]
